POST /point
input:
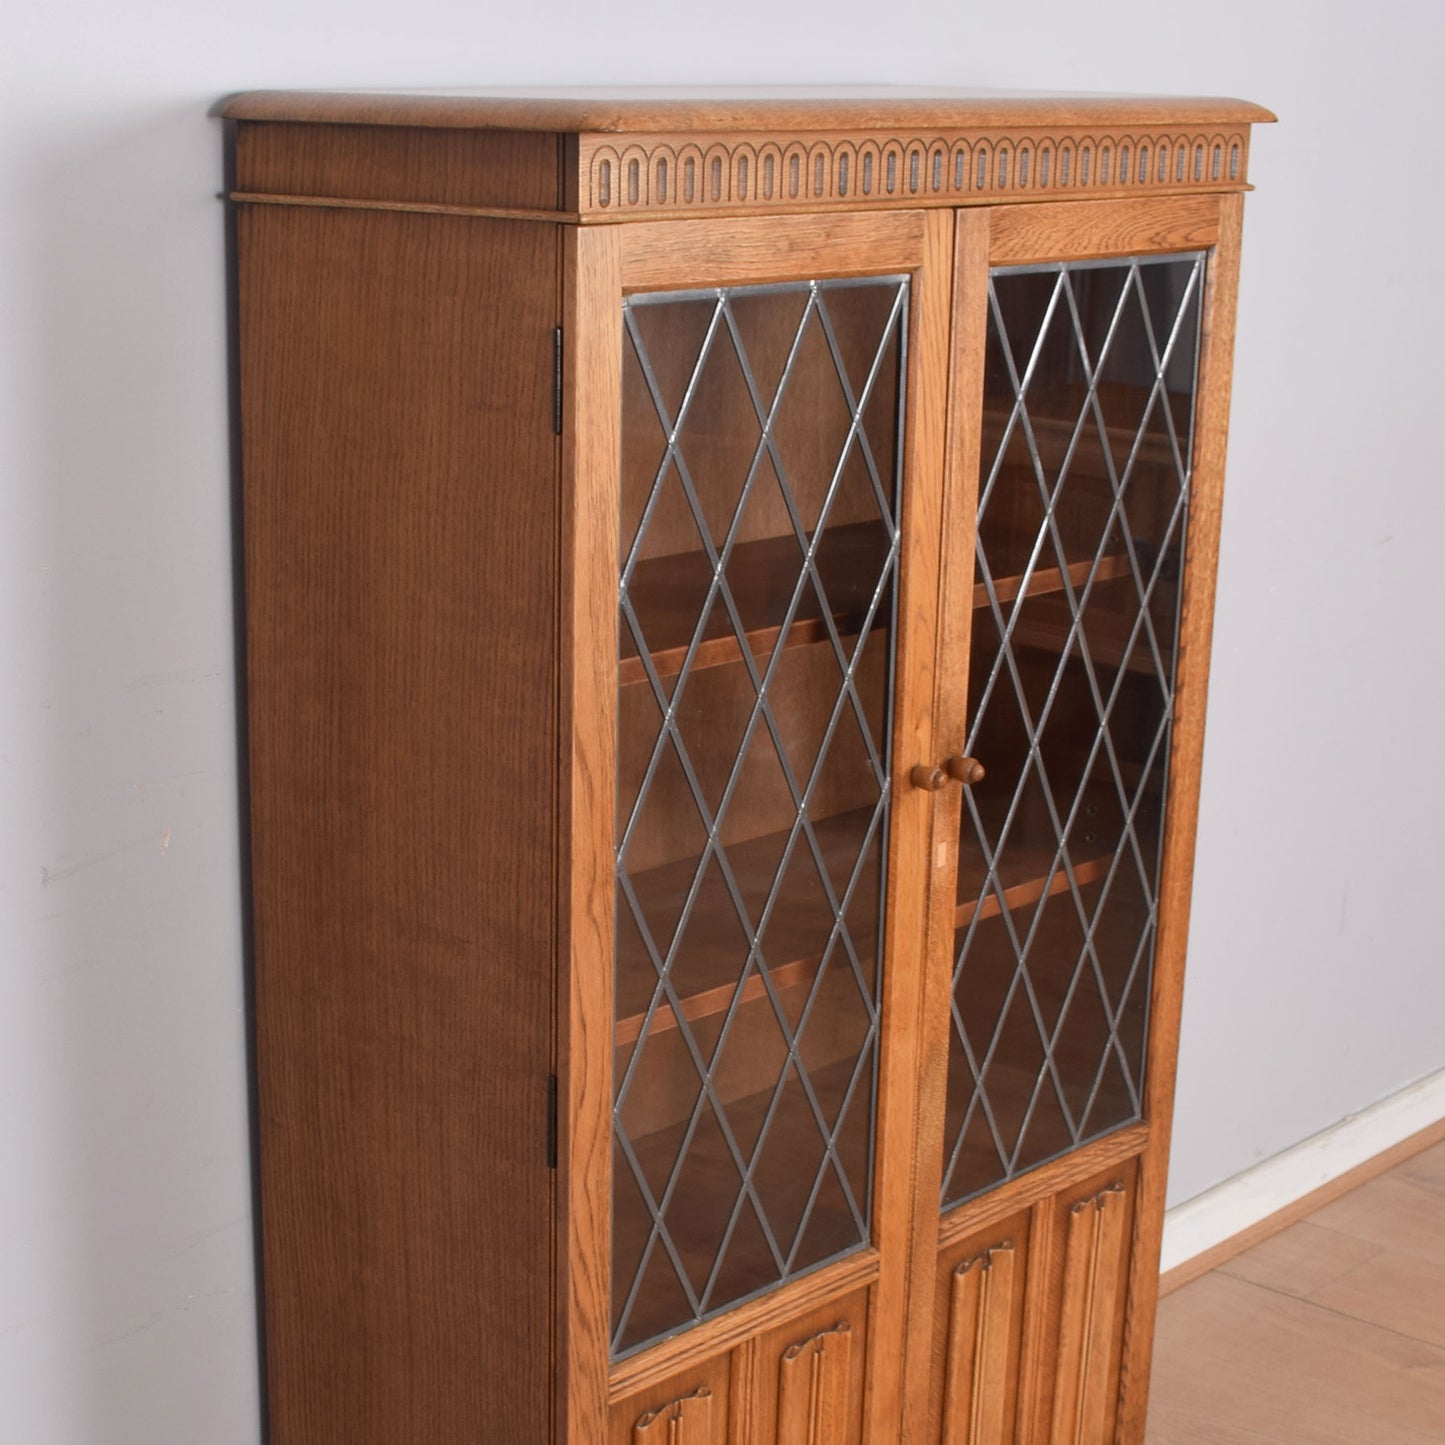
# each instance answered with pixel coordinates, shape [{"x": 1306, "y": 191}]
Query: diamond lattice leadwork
[
  {"x": 1089, "y": 395},
  {"x": 761, "y": 453}
]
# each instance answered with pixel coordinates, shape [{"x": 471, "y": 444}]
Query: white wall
[{"x": 1316, "y": 985}]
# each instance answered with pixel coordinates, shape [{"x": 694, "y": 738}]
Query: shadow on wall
[{"x": 151, "y": 1336}]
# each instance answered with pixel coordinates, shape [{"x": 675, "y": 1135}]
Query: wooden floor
[{"x": 1330, "y": 1333}]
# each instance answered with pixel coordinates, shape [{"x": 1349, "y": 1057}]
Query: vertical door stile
[
  {"x": 911, "y": 1081},
  {"x": 952, "y": 616},
  {"x": 592, "y": 408},
  {"x": 1036, "y": 1346},
  {"x": 746, "y": 1373}
]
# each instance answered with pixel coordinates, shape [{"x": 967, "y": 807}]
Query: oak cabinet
[{"x": 728, "y": 589}]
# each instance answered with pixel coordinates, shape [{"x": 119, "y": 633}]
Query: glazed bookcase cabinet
[{"x": 728, "y": 592}]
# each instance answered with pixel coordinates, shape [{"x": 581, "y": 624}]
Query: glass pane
[
  {"x": 761, "y": 450},
  {"x": 1088, "y": 410}
]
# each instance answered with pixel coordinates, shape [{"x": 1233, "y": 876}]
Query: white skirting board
[{"x": 1229, "y": 1208}]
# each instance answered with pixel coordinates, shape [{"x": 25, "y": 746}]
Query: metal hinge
[
  {"x": 551, "y": 1121},
  {"x": 557, "y": 381}
]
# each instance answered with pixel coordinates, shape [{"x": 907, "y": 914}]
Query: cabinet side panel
[{"x": 400, "y": 507}]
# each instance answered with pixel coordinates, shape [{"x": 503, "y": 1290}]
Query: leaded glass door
[
  {"x": 759, "y": 552},
  {"x": 1088, "y": 413}
]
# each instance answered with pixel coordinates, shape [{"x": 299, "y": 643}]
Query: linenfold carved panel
[
  {"x": 684, "y": 1421},
  {"x": 985, "y": 1296},
  {"x": 1094, "y": 1239},
  {"x": 814, "y": 1388},
  {"x": 685, "y": 175}
]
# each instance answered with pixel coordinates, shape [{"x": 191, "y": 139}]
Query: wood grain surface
[
  {"x": 1022, "y": 235},
  {"x": 977, "y": 1334},
  {"x": 735, "y": 252},
  {"x": 399, "y": 459},
  {"x": 692, "y": 1407},
  {"x": 810, "y": 1371},
  {"x": 741, "y": 108},
  {"x": 1055, "y": 1177},
  {"x": 945, "y": 736},
  {"x": 778, "y": 1309},
  {"x": 515, "y": 170},
  {"x": 1074, "y": 1312},
  {"x": 1265, "y": 1369},
  {"x": 592, "y": 367},
  {"x": 902, "y": 1093}
]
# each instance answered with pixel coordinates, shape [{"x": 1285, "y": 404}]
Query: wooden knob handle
[
  {"x": 929, "y": 779},
  {"x": 965, "y": 770}
]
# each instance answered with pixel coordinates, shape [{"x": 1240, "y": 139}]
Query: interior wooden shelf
[
  {"x": 668, "y": 593},
  {"x": 1051, "y": 579},
  {"x": 1054, "y": 436},
  {"x": 1106, "y": 634},
  {"x": 783, "y": 1179},
  {"x": 1030, "y": 858},
  {"x": 1090, "y": 870},
  {"x": 978, "y": 1167},
  {"x": 799, "y": 973},
  {"x": 1014, "y": 1068},
  {"x": 801, "y": 917},
  {"x": 1082, "y": 1040},
  {"x": 715, "y": 951}
]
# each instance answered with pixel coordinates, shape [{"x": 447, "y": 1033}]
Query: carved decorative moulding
[
  {"x": 601, "y": 156},
  {"x": 668, "y": 175}
]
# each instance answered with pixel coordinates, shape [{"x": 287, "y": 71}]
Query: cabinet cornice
[{"x": 609, "y": 156}]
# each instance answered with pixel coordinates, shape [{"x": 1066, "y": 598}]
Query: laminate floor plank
[
  {"x": 1301, "y": 1260},
  {"x": 1426, "y": 1169},
  {"x": 1396, "y": 1291},
  {"x": 1393, "y": 1213},
  {"x": 1332, "y": 1332},
  {"x": 1239, "y": 1364}
]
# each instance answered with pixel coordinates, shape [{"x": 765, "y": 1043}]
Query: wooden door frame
[
  {"x": 1021, "y": 235},
  {"x": 601, "y": 264},
  {"x": 1196, "y": 628}
]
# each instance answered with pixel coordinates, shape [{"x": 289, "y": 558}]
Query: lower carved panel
[
  {"x": 981, "y": 1312},
  {"x": 978, "y": 1325},
  {"x": 808, "y": 1378},
  {"x": 1095, "y": 1238},
  {"x": 690, "y": 1408},
  {"x": 814, "y": 1388},
  {"x": 678, "y": 1422}
]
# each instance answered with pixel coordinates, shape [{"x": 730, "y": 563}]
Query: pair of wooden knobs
[{"x": 962, "y": 770}]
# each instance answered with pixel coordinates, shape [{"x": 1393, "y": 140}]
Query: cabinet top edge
[{"x": 620, "y": 111}]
